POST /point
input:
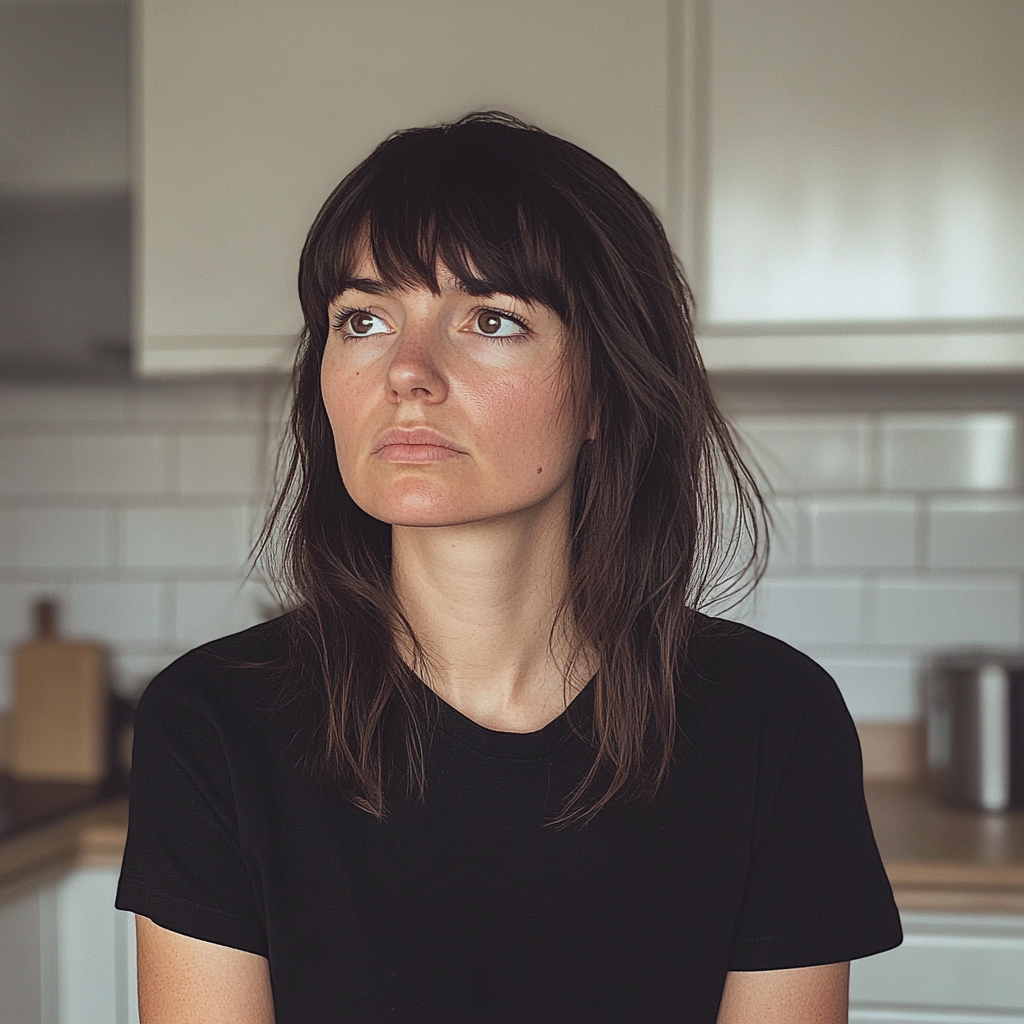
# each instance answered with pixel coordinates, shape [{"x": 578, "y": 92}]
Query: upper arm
[
  {"x": 185, "y": 864},
  {"x": 188, "y": 981},
  {"x": 803, "y": 995},
  {"x": 815, "y": 889}
]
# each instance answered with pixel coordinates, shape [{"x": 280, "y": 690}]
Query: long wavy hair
[{"x": 665, "y": 516}]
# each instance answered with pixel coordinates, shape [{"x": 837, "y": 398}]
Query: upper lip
[{"x": 413, "y": 435}]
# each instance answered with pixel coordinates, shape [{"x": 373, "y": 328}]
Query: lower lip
[{"x": 417, "y": 453}]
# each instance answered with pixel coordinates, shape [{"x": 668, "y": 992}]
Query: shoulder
[
  {"x": 753, "y": 664},
  {"x": 232, "y": 675},
  {"x": 751, "y": 683}
]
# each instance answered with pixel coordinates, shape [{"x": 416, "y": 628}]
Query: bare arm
[
  {"x": 805, "y": 995},
  {"x": 188, "y": 981}
]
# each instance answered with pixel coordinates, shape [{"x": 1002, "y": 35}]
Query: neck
[{"x": 482, "y": 600}]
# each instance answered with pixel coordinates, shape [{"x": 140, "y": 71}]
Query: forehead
[{"x": 365, "y": 272}]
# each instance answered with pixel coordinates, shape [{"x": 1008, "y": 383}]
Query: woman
[{"x": 494, "y": 766}]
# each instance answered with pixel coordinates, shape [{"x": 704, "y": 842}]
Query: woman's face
[{"x": 447, "y": 409}]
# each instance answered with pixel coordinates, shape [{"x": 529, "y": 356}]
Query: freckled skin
[{"x": 501, "y": 402}]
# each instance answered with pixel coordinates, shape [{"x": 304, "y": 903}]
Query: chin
[
  {"x": 420, "y": 509},
  {"x": 432, "y": 506}
]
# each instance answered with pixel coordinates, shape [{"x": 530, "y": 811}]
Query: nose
[{"x": 415, "y": 372}]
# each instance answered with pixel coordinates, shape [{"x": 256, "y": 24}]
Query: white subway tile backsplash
[
  {"x": 134, "y": 505},
  {"x": 63, "y": 403},
  {"x": 194, "y": 402},
  {"x": 806, "y": 611},
  {"x": 863, "y": 532},
  {"x": 119, "y": 464},
  {"x": 221, "y": 463},
  {"x": 877, "y": 689},
  {"x": 976, "y": 533},
  {"x": 6, "y": 537},
  {"x": 954, "y": 451},
  {"x": 207, "y": 610},
  {"x": 32, "y": 465},
  {"x": 121, "y": 612},
  {"x": 788, "y": 534},
  {"x": 809, "y": 453},
  {"x": 60, "y": 538},
  {"x": 185, "y": 538},
  {"x": 931, "y": 613}
]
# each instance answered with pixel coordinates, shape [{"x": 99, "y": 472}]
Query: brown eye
[
  {"x": 358, "y": 323},
  {"x": 488, "y": 323},
  {"x": 361, "y": 323},
  {"x": 498, "y": 325}
]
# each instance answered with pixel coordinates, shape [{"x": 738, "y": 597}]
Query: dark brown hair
[{"x": 665, "y": 516}]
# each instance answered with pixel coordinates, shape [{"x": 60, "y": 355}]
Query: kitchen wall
[
  {"x": 899, "y": 523},
  {"x": 135, "y": 506},
  {"x": 900, "y": 519}
]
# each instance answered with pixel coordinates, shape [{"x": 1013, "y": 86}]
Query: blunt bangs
[{"x": 471, "y": 197}]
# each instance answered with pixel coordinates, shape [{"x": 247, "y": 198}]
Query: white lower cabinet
[
  {"x": 66, "y": 955},
  {"x": 951, "y": 969}
]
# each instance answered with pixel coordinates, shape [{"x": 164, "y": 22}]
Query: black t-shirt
[{"x": 758, "y": 855}]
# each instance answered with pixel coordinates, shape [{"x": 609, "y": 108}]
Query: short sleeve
[
  {"x": 183, "y": 865},
  {"x": 816, "y": 890}
]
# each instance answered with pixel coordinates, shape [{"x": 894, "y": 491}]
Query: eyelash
[{"x": 341, "y": 316}]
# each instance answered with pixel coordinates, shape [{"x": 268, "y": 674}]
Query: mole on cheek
[{"x": 540, "y": 469}]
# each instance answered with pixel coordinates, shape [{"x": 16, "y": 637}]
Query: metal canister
[{"x": 975, "y": 718}]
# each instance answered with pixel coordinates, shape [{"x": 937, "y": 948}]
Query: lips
[
  {"x": 413, "y": 435},
  {"x": 415, "y": 444}
]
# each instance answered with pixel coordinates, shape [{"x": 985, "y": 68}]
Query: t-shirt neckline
[{"x": 519, "y": 744}]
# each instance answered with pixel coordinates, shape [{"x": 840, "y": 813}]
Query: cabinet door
[
  {"x": 248, "y": 113},
  {"x": 955, "y": 968},
  {"x": 66, "y": 955},
  {"x": 28, "y": 958},
  {"x": 95, "y": 970},
  {"x": 861, "y": 181},
  {"x": 865, "y": 161},
  {"x": 63, "y": 187}
]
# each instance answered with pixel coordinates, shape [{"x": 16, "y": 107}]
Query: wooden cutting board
[{"x": 59, "y": 721}]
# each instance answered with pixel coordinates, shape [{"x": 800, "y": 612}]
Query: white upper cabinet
[
  {"x": 859, "y": 185},
  {"x": 63, "y": 98},
  {"x": 64, "y": 204},
  {"x": 844, "y": 180},
  {"x": 248, "y": 113}
]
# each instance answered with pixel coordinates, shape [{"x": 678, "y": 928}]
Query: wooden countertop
[
  {"x": 92, "y": 835},
  {"x": 938, "y": 858},
  {"x": 943, "y": 858}
]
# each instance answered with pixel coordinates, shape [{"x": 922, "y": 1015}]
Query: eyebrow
[
  {"x": 370, "y": 285},
  {"x": 374, "y": 286}
]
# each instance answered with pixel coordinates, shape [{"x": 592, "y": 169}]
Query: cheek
[
  {"x": 345, "y": 398},
  {"x": 530, "y": 426}
]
